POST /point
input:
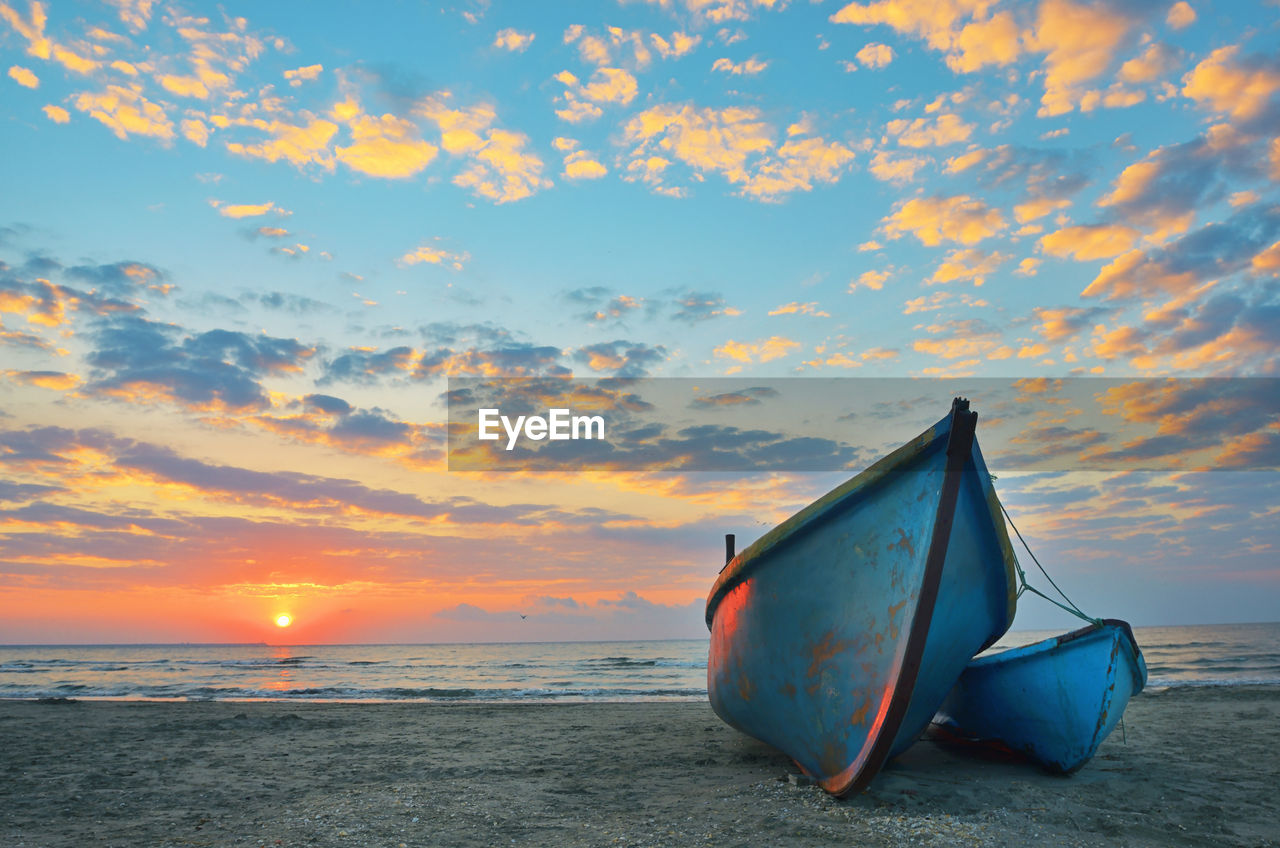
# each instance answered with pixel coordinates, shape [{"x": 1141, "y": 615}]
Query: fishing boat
[
  {"x": 836, "y": 635},
  {"x": 1053, "y": 701}
]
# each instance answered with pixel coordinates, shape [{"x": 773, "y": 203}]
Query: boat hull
[
  {"x": 1053, "y": 701},
  {"x": 835, "y": 636}
]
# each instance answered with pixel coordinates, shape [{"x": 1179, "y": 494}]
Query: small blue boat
[
  {"x": 836, "y": 635},
  {"x": 1053, "y": 701}
]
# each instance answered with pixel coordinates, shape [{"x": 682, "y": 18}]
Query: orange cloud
[
  {"x": 1241, "y": 89},
  {"x": 945, "y": 25},
  {"x": 1181, "y": 15},
  {"x": 57, "y": 114},
  {"x": 945, "y": 129},
  {"x": 749, "y": 67},
  {"x": 579, "y": 165},
  {"x": 434, "y": 256},
  {"x": 1089, "y": 241},
  {"x": 902, "y": 169},
  {"x": 873, "y": 280},
  {"x": 126, "y": 112},
  {"x": 386, "y": 146},
  {"x": 875, "y": 55},
  {"x": 24, "y": 76},
  {"x": 678, "y": 45},
  {"x": 968, "y": 264},
  {"x": 300, "y": 144},
  {"x": 298, "y": 76},
  {"x": 55, "y": 380},
  {"x": 246, "y": 210},
  {"x": 607, "y": 85},
  {"x": 797, "y": 308},
  {"x": 513, "y": 40},
  {"x": 932, "y": 220},
  {"x": 764, "y": 350},
  {"x": 1080, "y": 41}
]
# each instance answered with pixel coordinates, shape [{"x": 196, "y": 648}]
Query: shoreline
[{"x": 1197, "y": 769}]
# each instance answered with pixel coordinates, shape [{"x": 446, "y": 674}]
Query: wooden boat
[
  {"x": 836, "y": 635},
  {"x": 1053, "y": 701}
]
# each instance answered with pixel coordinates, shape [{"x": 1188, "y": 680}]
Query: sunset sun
[{"x": 284, "y": 620}]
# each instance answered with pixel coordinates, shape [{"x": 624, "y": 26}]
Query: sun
[{"x": 284, "y": 620}]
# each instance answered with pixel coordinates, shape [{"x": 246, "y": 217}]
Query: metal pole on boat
[{"x": 728, "y": 547}]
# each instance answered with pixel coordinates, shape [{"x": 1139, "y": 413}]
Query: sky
[{"x": 244, "y": 247}]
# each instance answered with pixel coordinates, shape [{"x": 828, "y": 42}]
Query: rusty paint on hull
[
  {"x": 855, "y": 617},
  {"x": 1054, "y": 701}
]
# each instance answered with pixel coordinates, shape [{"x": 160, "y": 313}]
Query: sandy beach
[{"x": 1198, "y": 768}]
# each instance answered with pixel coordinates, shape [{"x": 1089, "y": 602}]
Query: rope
[{"x": 1027, "y": 587}]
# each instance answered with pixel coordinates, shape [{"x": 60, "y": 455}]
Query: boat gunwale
[
  {"x": 737, "y": 568},
  {"x": 1114, "y": 627}
]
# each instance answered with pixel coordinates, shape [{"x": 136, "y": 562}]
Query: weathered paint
[
  {"x": 848, "y": 649},
  {"x": 1054, "y": 700}
]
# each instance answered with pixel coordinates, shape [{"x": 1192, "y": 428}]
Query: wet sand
[{"x": 1199, "y": 768}]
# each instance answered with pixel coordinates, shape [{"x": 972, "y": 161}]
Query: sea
[{"x": 556, "y": 672}]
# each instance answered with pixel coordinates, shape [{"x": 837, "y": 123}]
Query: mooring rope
[{"x": 1027, "y": 587}]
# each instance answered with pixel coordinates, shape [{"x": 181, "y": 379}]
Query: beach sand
[{"x": 1199, "y": 768}]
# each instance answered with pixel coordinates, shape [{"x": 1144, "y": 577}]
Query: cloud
[
  {"x": 679, "y": 44},
  {"x": 797, "y": 308},
  {"x": 603, "y": 304},
  {"x": 968, "y": 339},
  {"x": 733, "y": 142},
  {"x": 763, "y": 350},
  {"x": 579, "y": 165},
  {"x": 750, "y": 396},
  {"x": 23, "y": 76},
  {"x": 57, "y": 114},
  {"x": 126, "y": 112},
  {"x": 55, "y": 380},
  {"x": 381, "y": 146},
  {"x": 298, "y": 76},
  {"x": 875, "y": 55},
  {"x": 694, "y": 307},
  {"x": 945, "y": 25},
  {"x": 901, "y": 169},
  {"x": 607, "y": 86},
  {"x": 718, "y": 141},
  {"x": 245, "y": 210},
  {"x": 1156, "y": 61},
  {"x": 1212, "y": 252},
  {"x": 796, "y": 166},
  {"x": 513, "y": 40},
  {"x": 1240, "y": 87},
  {"x": 621, "y": 358},
  {"x": 1080, "y": 41},
  {"x": 1064, "y": 323},
  {"x": 749, "y": 67},
  {"x": 1090, "y": 241},
  {"x": 142, "y": 361},
  {"x": 873, "y": 280},
  {"x": 932, "y": 220},
  {"x": 946, "y": 129},
  {"x": 968, "y": 264},
  {"x": 301, "y": 141},
  {"x": 434, "y": 256},
  {"x": 1181, "y": 15},
  {"x": 502, "y": 171}
]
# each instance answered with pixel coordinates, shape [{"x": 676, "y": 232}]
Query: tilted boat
[
  {"x": 836, "y": 635},
  {"x": 1054, "y": 701}
]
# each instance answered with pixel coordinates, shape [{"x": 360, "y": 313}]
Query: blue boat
[
  {"x": 1053, "y": 701},
  {"x": 836, "y": 635}
]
